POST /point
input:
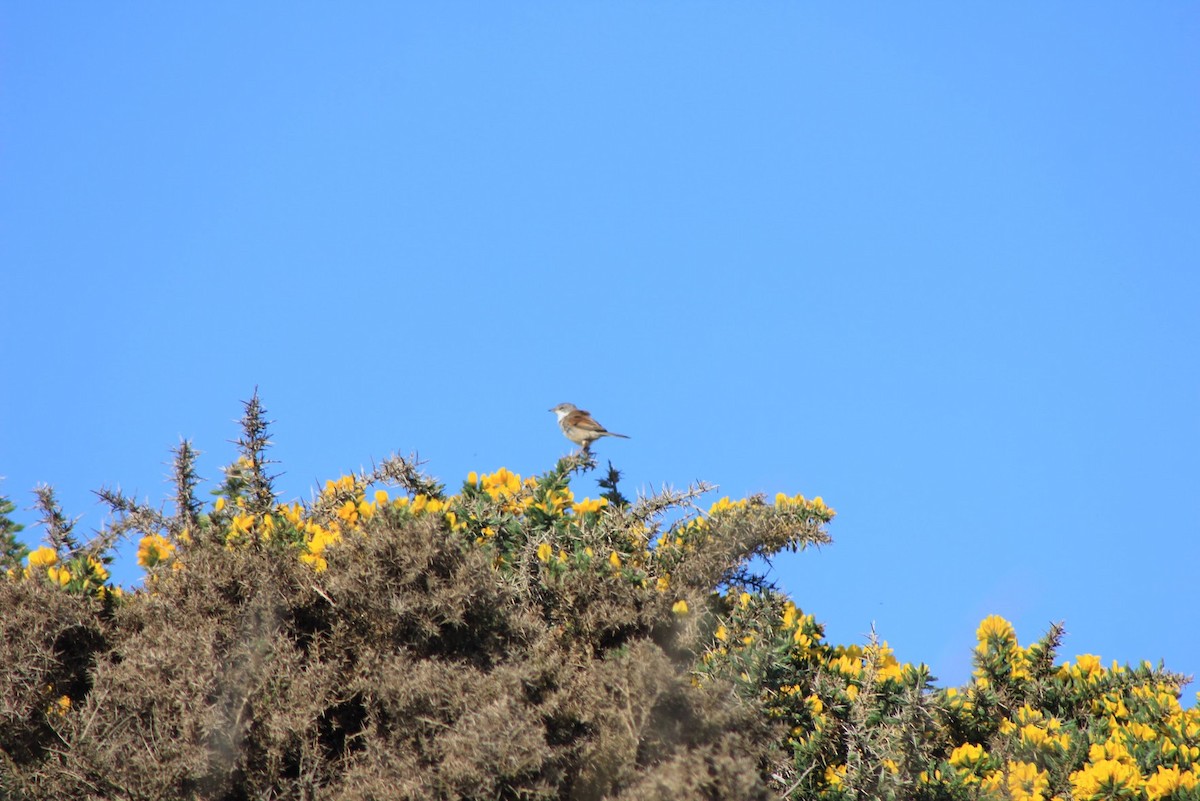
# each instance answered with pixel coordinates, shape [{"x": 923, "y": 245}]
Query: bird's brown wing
[{"x": 581, "y": 419}]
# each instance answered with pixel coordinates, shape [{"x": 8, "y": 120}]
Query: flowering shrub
[{"x": 510, "y": 639}]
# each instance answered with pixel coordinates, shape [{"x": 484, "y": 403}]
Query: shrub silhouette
[{"x": 508, "y": 641}]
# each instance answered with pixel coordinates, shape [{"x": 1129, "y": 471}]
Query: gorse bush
[{"x": 509, "y": 640}]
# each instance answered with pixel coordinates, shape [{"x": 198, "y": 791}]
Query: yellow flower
[
  {"x": 473, "y": 478},
  {"x": 586, "y": 505},
  {"x": 97, "y": 569},
  {"x": 721, "y": 633},
  {"x": 995, "y": 627},
  {"x": 318, "y": 563},
  {"x": 1167, "y": 781},
  {"x": 680, "y": 607},
  {"x": 890, "y": 671},
  {"x": 501, "y": 483},
  {"x": 544, "y": 551},
  {"x": 219, "y": 505},
  {"x": 789, "y": 615},
  {"x": 662, "y": 583},
  {"x": 891, "y": 766},
  {"x": 42, "y": 557},
  {"x": 59, "y": 575},
  {"x": 1110, "y": 750},
  {"x": 1026, "y": 782},
  {"x": 61, "y": 707},
  {"x": 744, "y": 599},
  {"x": 293, "y": 513},
  {"x": 614, "y": 559},
  {"x": 1106, "y": 778},
  {"x": 153, "y": 549},
  {"x": 318, "y": 540},
  {"x": 1087, "y": 667},
  {"x": 241, "y": 524},
  {"x": 348, "y": 511},
  {"x": 847, "y": 666},
  {"x": 835, "y": 775},
  {"x": 1033, "y": 735},
  {"x": 967, "y": 754}
]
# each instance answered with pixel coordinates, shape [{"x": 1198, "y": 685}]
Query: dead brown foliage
[{"x": 411, "y": 669}]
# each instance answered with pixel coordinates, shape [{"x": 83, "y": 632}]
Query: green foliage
[
  {"x": 183, "y": 475},
  {"x": 59, "y": 528},
  {"x": 609, "y": 484},
  {"x": 12, "y": 550},
  {"x": 253, "y": 444}
]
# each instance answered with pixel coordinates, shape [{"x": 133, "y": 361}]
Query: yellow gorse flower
[
  {"x": 789, "y": 615},
  {"x": 726, "y": 505},
  {"x": 42, "y": 557},
  {"x": 1087, "y": 668},
  {"x": 59, "y": 575},
  {"x": 585, "y": 506},
  {"x": 1106, "y": 779},
  {"x": 153, "y": 549},
  {"x": 1026, "y": 782},
  {"x": 1168, "y": 781},
  {"x": 992, "y": 628},
  {"x": 967, "y": 754},
  {"x": 502, "y": 483},
  {"x": 847, "y": 666},
  {"x": 60, "y": 707}
]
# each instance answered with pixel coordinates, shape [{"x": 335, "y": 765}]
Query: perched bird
[{"x": 579, "y": 427}]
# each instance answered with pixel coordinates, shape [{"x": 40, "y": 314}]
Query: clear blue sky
[{"x": 937, "y": 265}]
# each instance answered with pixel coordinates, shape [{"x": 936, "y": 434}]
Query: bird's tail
[{"x": 611, "y": 434}]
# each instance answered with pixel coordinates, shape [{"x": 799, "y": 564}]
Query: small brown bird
[{"x": 579, "y": 427}]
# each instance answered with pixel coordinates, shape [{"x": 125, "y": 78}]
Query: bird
[{"x": 579, "y": 427}]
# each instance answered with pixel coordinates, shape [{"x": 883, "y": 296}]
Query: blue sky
[{"x": 937, "y": 266}]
